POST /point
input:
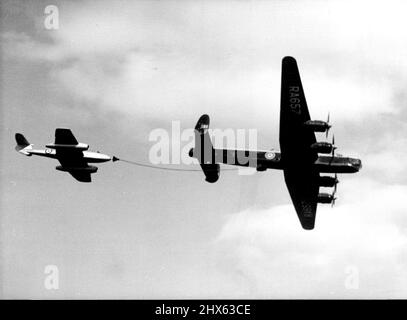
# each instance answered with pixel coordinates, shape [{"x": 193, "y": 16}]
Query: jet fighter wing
[
  {"x": 295, "y": 144},
  {"x": 71, "y": 158},
  {"x": 295, "y": 138},
  {"x": 81, "y": 176},
  {"x": 65, "y": 136},
  {"x": 68, "y": 157},
  {"x": 72, "y": 161}
]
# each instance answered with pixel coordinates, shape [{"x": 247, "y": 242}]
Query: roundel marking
[
  {"x": 48, "y": 150},
  {"x": 270, "y": 155}
]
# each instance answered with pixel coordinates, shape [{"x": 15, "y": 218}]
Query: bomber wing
[
  {"x": 303, "y": 188},
  {"x": 295, "y": 142},
  {"x": 295, "y": 138}
]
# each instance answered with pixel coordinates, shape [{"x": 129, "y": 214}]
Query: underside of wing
[
  {"x": 72, "y": 161},
  {"x": 303, "y": 188},
  {"x": 81, "y": 176},
  {"x": 70, "y": 154},
  {"x": 65, "y": 136},
  {"x": 295, "y": 143},
  {"x": 295, "y": 138},
  {"x": 71, "y": 158}
]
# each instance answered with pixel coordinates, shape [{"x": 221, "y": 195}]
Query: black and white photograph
[{"x": 203, "y": 150}]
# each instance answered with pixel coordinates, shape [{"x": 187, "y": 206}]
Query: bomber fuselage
[{"x": 263, "y": 160}]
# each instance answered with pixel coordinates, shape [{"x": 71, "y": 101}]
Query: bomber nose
[{"x": 358, "y": 164}]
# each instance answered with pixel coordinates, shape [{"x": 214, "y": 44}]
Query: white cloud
[
  {"x": 154, "y": 58},
  {"x": 366, "y": 230},
  {"x": 386, "y": 161},
  {"x": 21, "y": 46}
]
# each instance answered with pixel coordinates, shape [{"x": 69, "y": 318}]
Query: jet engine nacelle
[
  {"x": 90, "y": 169},
  {"x": 322, "y": 147},
  {"x": 325, "y": 198},
  {"x": 325, "y": 181},
  {"x": 317, "y": 125},
  {"x": 79, "y": 146}
]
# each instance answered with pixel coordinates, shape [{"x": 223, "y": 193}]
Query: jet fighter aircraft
[
  {"x": 300, "y": 157},
  {"x": 72, "y": 155}
]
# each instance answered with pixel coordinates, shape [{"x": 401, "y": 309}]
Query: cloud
[
  {"x": 387, "y": 165},
  {"x": 19, "y": 45},
  {"x": 366, "y": 232},
  {"x": 171, "y": 58}
]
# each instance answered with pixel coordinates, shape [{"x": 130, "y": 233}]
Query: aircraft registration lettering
[
  {"x": 295, "y": 101},
  {"x": 307, "y": 208}
]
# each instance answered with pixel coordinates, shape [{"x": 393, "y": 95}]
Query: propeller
[
  {"x": 333, "y": 200},
  {"x": 336, "y": 183},
  {"x": 334, "y": 192},
  {"x": 328, "y": 126},
  {"x": 333, "y": 146}
]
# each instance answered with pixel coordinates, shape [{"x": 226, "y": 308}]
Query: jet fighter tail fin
[{"x": 22, "y": 144}]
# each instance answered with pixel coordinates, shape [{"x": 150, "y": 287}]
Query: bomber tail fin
[
  {"x": 22, "y": 144},
  {"x": 204, "y": 151}
]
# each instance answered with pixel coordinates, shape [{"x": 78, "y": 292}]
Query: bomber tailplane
[{"x": 204, "y": 151}]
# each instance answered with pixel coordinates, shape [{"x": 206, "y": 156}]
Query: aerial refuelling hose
[{"x": 140, "y": 164}]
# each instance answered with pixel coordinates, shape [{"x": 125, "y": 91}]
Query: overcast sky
[{"x": 114, "y": 71}]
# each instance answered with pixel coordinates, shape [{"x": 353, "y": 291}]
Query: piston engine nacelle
[
  {"x": 317, "y": 125},
  {"x": 90, "y": 169},
  {"x": 322, "y": 147},
  {"x": 79, "y": 146},
  {"x": 261, "y": 168},
  {"x": 325, "y": 181},
  {"x": 325, "y": 198}
]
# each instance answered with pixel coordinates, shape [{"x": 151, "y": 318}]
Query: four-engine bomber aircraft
[
  {"x": 72, "y": 155},
  {"x": 299, "y": 157}
]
